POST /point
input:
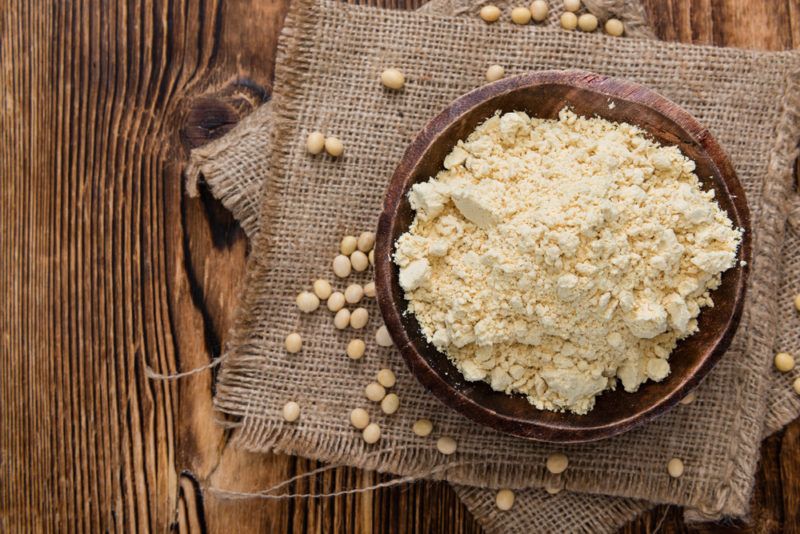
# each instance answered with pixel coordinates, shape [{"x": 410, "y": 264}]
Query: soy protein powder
[{"x": 553, "y": 257}]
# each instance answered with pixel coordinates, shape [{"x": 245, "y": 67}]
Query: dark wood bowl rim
[{"x": 619, "y": 90}]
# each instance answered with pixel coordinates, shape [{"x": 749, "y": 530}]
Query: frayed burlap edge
[
  {"x": 214, "y": 161},
  {"x": 631, "y": 12},
  {"x": 784, "y": 401},
  {"x": 589, "y": 514},
  {"x": 764, "y": 285}
]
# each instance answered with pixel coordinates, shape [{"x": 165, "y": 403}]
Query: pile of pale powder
[{"x": 553, "y": 257}]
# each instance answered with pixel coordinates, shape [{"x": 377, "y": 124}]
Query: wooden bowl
[{"x": 544, "y": 94}]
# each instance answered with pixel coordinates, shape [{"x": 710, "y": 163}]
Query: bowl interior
[{"x": 542, "y": 97}]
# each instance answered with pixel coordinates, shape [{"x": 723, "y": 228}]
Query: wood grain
[{"x": 106, "y": 266}]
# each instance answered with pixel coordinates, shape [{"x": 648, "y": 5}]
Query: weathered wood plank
[{"x": 106, "y": 266}]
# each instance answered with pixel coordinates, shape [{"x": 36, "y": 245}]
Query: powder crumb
[
  {"x": 415, "y": 274},
  {"x": 554, "y": 258}
]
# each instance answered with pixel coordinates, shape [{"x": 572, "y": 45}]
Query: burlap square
[
  {"x": 224, "y": 165},
  {"x": 401, "y": 460}
]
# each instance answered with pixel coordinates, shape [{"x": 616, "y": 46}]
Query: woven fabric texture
[
  {"x": 783, "y": 401},
  {"x": 537, "y": 511},
  {"x": 228, "y": 179},
  {"x": 234, "y": 167},
  {"x": 631, "y": 12},
  {"x": 340, "y": 207}
]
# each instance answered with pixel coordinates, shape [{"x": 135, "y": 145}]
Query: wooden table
[{"x": 105, "y": 266}]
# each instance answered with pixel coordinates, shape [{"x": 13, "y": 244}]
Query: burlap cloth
[{"x": 717, "y": 436}]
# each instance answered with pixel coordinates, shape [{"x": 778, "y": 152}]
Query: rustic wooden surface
[{"x": 106, "y": 266}]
